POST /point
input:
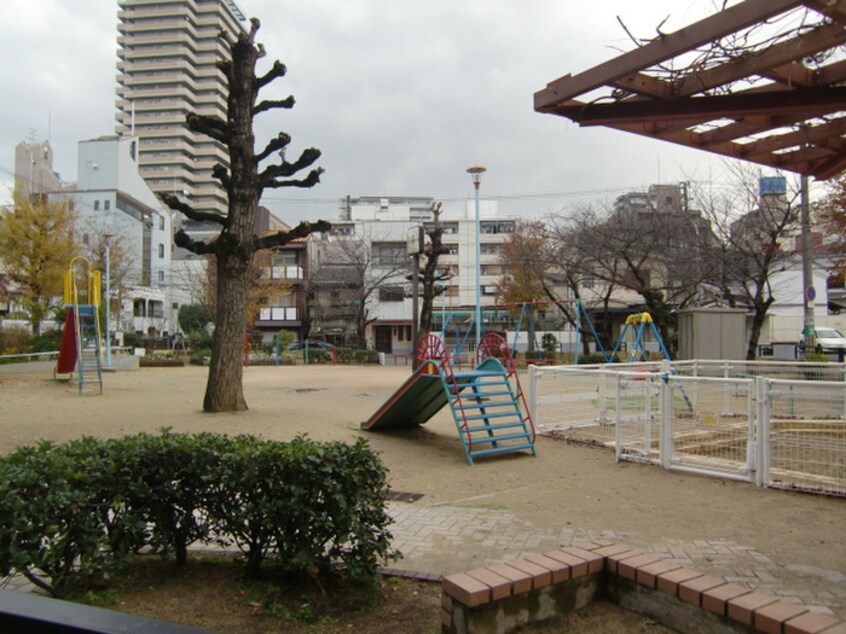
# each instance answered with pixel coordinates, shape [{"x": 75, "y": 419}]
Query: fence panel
[
  {"x": 577, "y": 402},
  {"x": 728, "y": 419},
  {"x": 637, "y": 412},
  {"x": 806, "y": 438},
  {"x": 712, "y": 426},
  {"x": 784, "y": 370}
]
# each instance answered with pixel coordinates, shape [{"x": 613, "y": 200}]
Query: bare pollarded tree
[{"x": 244, "y": 182}]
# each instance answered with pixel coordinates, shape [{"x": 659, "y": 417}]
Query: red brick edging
[{"x": 468, "y": 594}]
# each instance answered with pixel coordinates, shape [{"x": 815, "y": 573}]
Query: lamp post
[
  {"x": 107, "y": 238},
  {"x": 476, "y": 175}
]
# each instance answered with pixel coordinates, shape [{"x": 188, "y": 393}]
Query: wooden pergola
[{"x": 779, "y": 101}]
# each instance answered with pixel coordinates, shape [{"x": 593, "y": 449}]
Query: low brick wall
[{"x": 506, "y": 597}]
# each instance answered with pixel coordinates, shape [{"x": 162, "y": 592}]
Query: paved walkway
[{"x": 443, "y": 539}]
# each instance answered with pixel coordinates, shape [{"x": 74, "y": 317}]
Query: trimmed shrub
[
  {"x": 352, "y": 356},
  {"x": 52, "y": 504},
  {"x": 197, "y": 356},
  {"x": 78, "y": 510}
]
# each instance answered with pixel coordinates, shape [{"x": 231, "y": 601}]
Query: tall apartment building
[
  {"x": 167, "y": 51},
  {"x": 34, "y": 175}
]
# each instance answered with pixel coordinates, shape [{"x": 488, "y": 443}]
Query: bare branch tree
[{"x": 233, "y": 248}]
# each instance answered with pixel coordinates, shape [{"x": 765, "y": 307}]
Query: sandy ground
[{"x": 564, "y": 485}]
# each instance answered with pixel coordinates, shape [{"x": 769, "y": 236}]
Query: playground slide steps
[
  {"x": 485, "y": 395},
  {"x": 89, "y": 367}
]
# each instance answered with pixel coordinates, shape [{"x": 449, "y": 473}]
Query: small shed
[{"x": 712, "y": 333}]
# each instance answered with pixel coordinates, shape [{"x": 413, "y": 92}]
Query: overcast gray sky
[{"x": 401, "y": 96}]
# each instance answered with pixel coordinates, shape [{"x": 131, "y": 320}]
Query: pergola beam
[
  {"x": 810, "y": 102},
  {"x": 796, "y": 122},
  {"x": 708, "y": 30}
]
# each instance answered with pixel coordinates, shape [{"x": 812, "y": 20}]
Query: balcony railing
[
  {"x": 279, "y": 314},
  {"x": 283, "y": 273}
]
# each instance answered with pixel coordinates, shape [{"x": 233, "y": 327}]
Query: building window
[
  {"x": 161, "y": 276},
  {"x": 156, "y": 309},
  {"x": 107, "y": 204},
  {"x": 391, "y": 294},
  {"x": 139, "y": 308},
  {"x": 161, "y": 250},
  {"x": 161, "y": 223},
  {"x": 96, "y": 205},
  {"x": 390, "y": 254}
]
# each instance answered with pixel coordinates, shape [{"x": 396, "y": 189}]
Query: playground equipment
[
  {"x": 639, "y": 321},
  {"x": 485, "y": 402},
  {"x": 81, "y": 337},
  {"x": 457, "y": 321}
]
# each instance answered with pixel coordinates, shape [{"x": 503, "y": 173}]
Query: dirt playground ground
[{"x": 797, "y": 539}]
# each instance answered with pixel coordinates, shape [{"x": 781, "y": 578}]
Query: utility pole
[{"x": 810, "y": 294}]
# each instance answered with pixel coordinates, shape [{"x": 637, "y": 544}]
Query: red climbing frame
[{"x": 495, "y": 345}]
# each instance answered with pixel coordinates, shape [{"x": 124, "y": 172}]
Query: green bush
[
  {"x": 353, "y": 355},
  {"x": 53, "y": 507},
  {"x": 14, "y": 340},
  {"x": 78, "y": 510},
  {"x": 133, "y": 340},
  {"x": 815, "y": 357},
  {"x": 549, "y": 343},
  {"x": 194, "y": 317},
  {"x": 163, "y": 480},
  {"x": 200, "y": 340},
  {"x": 198, "y": 356},
  {"x": 314, "y": 505},
  {"x": 48, "y": 341},
  {"x": 591, "y": 358}
]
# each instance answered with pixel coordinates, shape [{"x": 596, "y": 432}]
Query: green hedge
[{"x": 80, "y": 509}]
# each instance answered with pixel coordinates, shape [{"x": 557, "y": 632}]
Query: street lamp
[
  {"x": 476, "y": 175},
  {"x": 107, "y": 238}
]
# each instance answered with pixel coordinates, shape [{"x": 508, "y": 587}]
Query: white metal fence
[{"x": 773, "y": 424}]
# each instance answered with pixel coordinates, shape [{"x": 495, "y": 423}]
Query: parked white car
[{"x": 827, "y": 340}]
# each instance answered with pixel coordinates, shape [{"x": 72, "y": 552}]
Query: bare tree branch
[
  {"x": 285, "y": 169},
  {"x": 309, "y": 181},
  {"x": 279, "y": 143},
  {"x": 286, "y": 103},
  {"x": 222, "y": 174},
  {"x": 200, "y": 216},
  {"x": 210, "y": 126},
  {"x": 281, "y": 238},
  {"x": 182, "y": 239},
  {"x": 277, "y": 70}
]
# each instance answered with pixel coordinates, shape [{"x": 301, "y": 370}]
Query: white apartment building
[
  {"x": 383, "y": 225},
  {"x": 113, "y": 200},
  {"x": 167, "y": 55},
  {"x": 113, "y": 203}
]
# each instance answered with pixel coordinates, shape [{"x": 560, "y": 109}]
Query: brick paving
[
  {"x": 444, "y": 539},
  {"x": 441, "y": 539}
]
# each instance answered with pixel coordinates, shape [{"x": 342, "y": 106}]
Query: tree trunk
[
  {"x": 224, "y": 392},
  {"x": 760, "y": 308}
]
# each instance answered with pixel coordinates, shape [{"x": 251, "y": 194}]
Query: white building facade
[
  {"x": 384, "y": 224},
  {"x": 114, "y": 203}
]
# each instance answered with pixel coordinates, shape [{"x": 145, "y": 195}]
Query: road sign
[{"x": 810, "y": 293}]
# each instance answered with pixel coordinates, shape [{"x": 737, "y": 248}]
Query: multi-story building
[
  {"x": 114, "y": 206},
  {"x": 34, "y": 173},
  {"x": 167, "y": 55},
  {"x": 113, "y": 200},
  {"x": 360, "y": 273}
]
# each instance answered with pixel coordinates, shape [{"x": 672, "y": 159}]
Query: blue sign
[{"x": 810, "y": 293}]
